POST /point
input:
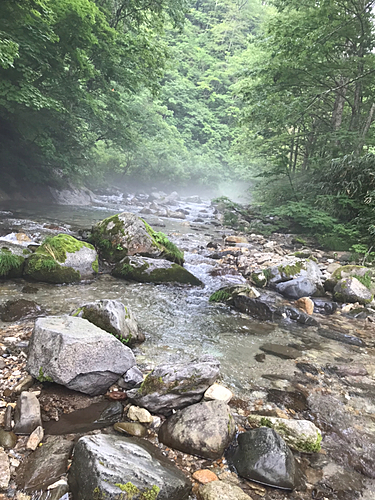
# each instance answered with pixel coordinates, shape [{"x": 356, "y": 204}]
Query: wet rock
[
  {"x": 139, "y": 415},
  {"x": 35, "y": 438},
  {"x": 295, "y": 401},
  {"x": 27, "y": 416},
  {"x": 259, "y": 308},
  {"x": 171, "y": 387},
  {"x": 205, "y": 476},
  {"x": 345, "y": 338},
  {"x": 101, "y": 463},
  {"x": 352, "y": 290},
  {"x": 62, "y": 259},
  {"x": 297, "y": 288},
  {"x": 296, "y": 315},
  {"x": 95, "y": 416},
  {"x": 324, "y": 306},
  {"x": 218, "y": 392},
  {"x": 175, "y": 214},
  {"x": 46, "y": 465},
  {"x": 29, "y": 289},
  {"x": 307, "y": 368},
  {"x": 281, "y": 351},
  {"x": 263, "y": 456},
  {"x": 125, "y": 234},
  {"x": 7, "y": 439},
  {"x": 131, "y": 379},
  {"x": 113, "y": 317},
  {"x": 300, "y": 435},
  {"x": 204, "y": 429},
  {"x": 131, "y": 428},
  {"x": 146, "y": 270},
  {"x": 14, "y": 310},
  {"x": 77, "y": 354},
  {"x": 220, "y": 490},
  {"x": 4, "y": 470}
]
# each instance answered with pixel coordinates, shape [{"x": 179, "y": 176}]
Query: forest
[{"x": 278, "y": 94}]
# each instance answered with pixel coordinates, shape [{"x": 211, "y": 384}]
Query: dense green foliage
[{"x": 308, "y": 90}]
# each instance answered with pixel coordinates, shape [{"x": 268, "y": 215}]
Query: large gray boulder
[
  {"x": 342, "y": 272},
  {"x": 125, "y": 234},
  {"x": 113, "y": 317},
  {"x": 77, "y": 354},
  {"x": 146, "y": 270},
  {"x": 109, "y": 466},
  {"x": 352, "y": 290},
  {"x": 175, "y": 386},
  {"x": 293, "y": 269},
  {"x": 204, "y": 429},
  {"x": 263, "y": 456}
]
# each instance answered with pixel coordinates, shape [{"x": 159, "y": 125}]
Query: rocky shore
[{"x": 83, "y": 418}]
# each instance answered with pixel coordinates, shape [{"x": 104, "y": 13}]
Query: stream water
[{"x": 181, "y": 324}]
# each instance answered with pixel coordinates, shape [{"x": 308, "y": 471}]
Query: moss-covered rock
[
  {"x": 11, "y": 262},
  {"x": 352, "y": 290},
  {"x": 62, "y": 259},
  {"x": 301, "y": 435},
  {"x": 146, "y": 270},
  {"x": 125, "y": 234},
  {"x": 362, "y": 273}
]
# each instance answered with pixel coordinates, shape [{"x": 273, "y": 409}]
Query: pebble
[
  {"x": 205, "y": 476},
  {"x": 219, "y": 393},
  {"x": 7, "y": 439},
  {"x": 4, "y": 470}
]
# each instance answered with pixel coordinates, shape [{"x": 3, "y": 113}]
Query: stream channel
[{"x": 181, "y": 324}]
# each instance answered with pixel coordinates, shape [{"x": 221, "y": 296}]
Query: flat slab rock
[
  {"x": 172, "y": 387},
  {"x": 103, "y": 461},
  {"x": 77, "y": 354},
  {"x": 45, "y": 465},
  {"x": 204, "y": 429}
]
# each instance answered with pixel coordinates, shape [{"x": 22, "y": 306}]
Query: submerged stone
[
  {"x": 146, "y": 270},
  {"x": 14, "y": 310}
]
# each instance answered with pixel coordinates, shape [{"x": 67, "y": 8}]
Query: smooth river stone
[
  {"x": 131, "y": 428},
  {"x": 281, "y": 351},
  {"x": 7, "y": 439}
]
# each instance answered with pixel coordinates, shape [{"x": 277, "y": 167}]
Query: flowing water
[{"x": 179, "y": 322}]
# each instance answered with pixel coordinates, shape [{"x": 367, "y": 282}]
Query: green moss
[
  {"x": 268, "y": 274},
  {"x": 26, "y": 251},
  {"x": 43, "y": 378},
  {"x": 41, "y": 267},
  {"x": 265, "y": 422},
  {"x": 169, "y": 249},
  {"x": 303, "y": 255},
  {"x": 365, "y": 280},
  {"x": 95, "y": 265},
  {"x": 299, "y": 240},
  {"x": 76, "y": 313},
  {"x": 10, "y": 265},
  {"x": 108, "y": 239},
  {"x": 259, "y": 279},
  {"x": 151, "y": 384},
  {"x": 307, "y": 446},
  {"x": 58, "y": 246},
  {"x": 292, "y": 269},
  {"x": 220, "y": 296}
]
